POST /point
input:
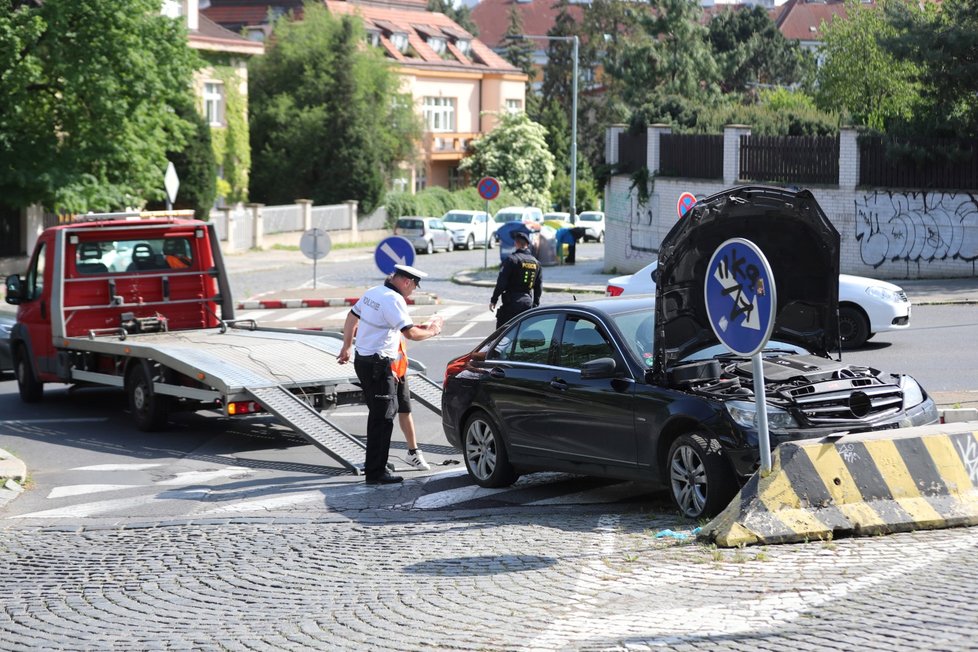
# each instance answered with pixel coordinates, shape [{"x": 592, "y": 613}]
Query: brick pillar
[
  {"x": 305, "y": 207},
  {"x": 731, "y": 152},
  {"x": 652, "y": 147},
  {"x": 611, "y": 143},
  {"x": 351, "y": 207},
  {"x": 257, "y": 226},
  {"x": 848, "y": 159}
]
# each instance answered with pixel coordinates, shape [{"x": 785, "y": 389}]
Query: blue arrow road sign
[
  {"x": 740, "y": 296},
  {"x": 395, "y": 250}
]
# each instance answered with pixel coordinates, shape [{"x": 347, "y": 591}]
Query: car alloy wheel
[
  {"x": 853, "y": 329},
  {"x": 470, "y": 243},
  {"x": 485, "y": 453},
  {"x": 700, "y": 478},
  {"x": 430, "y": 249}
]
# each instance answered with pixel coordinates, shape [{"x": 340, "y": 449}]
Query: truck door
[{"x": 34, "y": 313}]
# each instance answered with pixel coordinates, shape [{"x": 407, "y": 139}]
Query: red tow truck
[{"x": 141, "y": 302}]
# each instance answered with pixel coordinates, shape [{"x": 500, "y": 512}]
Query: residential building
[{"x": 458, "y": 84}]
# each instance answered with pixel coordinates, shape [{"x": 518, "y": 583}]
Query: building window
[
  {"x": 464, "y": 45},
  {"x": 439, "y": 113},
  {"x": 455, "y": 178},
  {"x": 373, "y": 38},
  {"x": 420, "y": 178},
  {"x": 437, "y": 44},
  {"x": 514, "y": 106},
  {"x": 214, "y": 104},
  {"x": 400, "y": 41}
]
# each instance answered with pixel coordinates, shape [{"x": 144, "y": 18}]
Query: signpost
[
  {"x": 315, "y": 244},
  {"x": 488, "y": 189},
  {"x": 685, "y": 203},
  {"x": 395, "y": 250},
  {"x": 171, "y": 182},
  {"x": 741, "y": 303}
]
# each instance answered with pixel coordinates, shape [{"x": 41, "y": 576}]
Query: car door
[
  {"x": 34, "y": 313},
  {"x": 440, "y": 234},
  {"x": 517, "y": 383},
  {"x": 590, "y": 419}
]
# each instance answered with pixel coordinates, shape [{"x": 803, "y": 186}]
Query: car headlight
[
  {"x": 913, "y": 395},
  {"x": 744, "y": 413},
  {"x": 883, "y": 294}
]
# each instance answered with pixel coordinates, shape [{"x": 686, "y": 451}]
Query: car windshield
[
  {"x": 458, "y": 219},
  {"x": 508, "y": 217}
]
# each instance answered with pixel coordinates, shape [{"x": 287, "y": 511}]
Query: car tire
[
  {"x": 701, "y": 480},
  {"x": 30, "y": 388},
  {"x": 600, "y": 237},
  {"x": 470, "y": 243},
  {"x": 450, "y": 246},
  {"x": 491, "y": 242},
  {"x": 853, "y": 327},
  {"x": 485, "y": 453},
  {"x": 430, "y": 248},
  {"x": 149, "y": 409}
]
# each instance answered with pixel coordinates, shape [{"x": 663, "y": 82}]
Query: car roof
[{"x": 609, "y": 305}]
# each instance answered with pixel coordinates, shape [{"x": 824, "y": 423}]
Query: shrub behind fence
[{"x": 932, "y": 163}]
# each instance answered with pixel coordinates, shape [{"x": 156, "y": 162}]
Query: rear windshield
[
  {"x": 509, "y": 217},
  {"x": 586, "y": 217},
  {"x": 410, "y": 224},
  {"x": 458, "y": 218},
  {"x": 103, "y": 256}
]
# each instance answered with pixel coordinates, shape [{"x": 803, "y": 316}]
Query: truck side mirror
[{"x": 14, "y": 290}]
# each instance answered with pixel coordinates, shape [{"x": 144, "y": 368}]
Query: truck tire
[
  {"x": 30, "y": 388},
  {"x": 149, "y": 409}
]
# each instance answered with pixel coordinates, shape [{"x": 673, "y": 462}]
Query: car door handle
[
  {"x": 496, "y": 372},
  {"x": 557, "y": 383}
]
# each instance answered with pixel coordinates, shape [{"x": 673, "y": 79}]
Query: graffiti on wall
[
  {"x": 639, "y": 220},
  {"x": 917, "y": 227}
]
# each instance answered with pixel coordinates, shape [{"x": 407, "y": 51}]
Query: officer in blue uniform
[{"x": 520, "y": 281}]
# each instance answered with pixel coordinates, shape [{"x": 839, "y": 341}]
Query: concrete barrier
[{"x": 865, "y": 484}]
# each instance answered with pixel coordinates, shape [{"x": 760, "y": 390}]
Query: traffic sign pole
[
  {"x": 760, "y": 396},
  {"x": 488, "y": 189}
]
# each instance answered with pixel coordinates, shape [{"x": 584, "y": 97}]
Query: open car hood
[{"x": 800, "y": 244}]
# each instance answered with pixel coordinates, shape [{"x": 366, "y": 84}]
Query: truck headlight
[
  {"x": 913, "y": 395},
  {"x": 744, "y": 414}
]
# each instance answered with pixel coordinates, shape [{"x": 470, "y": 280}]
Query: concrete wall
[{"x": 885, "y": 232}]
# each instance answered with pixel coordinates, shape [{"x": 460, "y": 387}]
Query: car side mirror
[
  {"x": 655, "y": 275},
  {"x": 15, "y": 290},
  {"x": 599, "y": 368}
]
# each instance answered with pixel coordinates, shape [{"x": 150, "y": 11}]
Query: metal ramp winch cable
[
  {"x": 308, "y": 422},
  {"x": 426, "y": 392}
]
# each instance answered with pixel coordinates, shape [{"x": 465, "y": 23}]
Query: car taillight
[
  {"x": 613, "y": 291},
  {"x": 456, "y": 366}
]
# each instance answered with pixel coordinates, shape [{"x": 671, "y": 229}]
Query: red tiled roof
[
  {"x": 240, "y": 13},
  {"x": 802, "y": 21},
  {"x": 210, "y": 33},
  {"x": 539, "y": 16}
]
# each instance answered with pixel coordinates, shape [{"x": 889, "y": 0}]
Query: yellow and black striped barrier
[{"x": 870, "y": 483}]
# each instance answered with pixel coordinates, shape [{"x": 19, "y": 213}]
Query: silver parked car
[{"x": 427, "y": 234}]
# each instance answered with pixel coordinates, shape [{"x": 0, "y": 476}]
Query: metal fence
[
  {"x": 932, "y": 163},
  {"x": 697, "y": 156},
  {"x": 790, "y": 159}
]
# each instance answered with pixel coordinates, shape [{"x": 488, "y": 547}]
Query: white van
[{"x": 525, "y": 214}]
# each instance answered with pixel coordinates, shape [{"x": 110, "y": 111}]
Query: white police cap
[{"x": 410, "y": 272}]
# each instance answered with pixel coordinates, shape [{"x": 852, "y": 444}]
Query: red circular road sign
[
  {"x": 685, "y": 203},
  {"x": 488, "y": 188}
]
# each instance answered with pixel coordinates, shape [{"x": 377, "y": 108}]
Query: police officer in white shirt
[{"x": 383, "y": 318}]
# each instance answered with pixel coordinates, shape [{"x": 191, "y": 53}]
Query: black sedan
[{"x": 644, "y": 389}]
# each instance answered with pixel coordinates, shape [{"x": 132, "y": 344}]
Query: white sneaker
[{"x": 416, "y": 459}]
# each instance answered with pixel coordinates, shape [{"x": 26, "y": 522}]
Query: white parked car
[
  {"x": 427, "y": 234},
  {"x": 866, "y": 306},
  {"x": 558, "y": 216},
  {"x": 593, "y": 222},
  {"x": 525, "y": 214},
  {"x": 469, "y": 227}
]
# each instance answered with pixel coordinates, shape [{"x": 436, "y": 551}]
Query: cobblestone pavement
[{"x": 506, "y": 580}]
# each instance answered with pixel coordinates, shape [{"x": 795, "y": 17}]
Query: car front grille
[{"x": 863, "y": 402}]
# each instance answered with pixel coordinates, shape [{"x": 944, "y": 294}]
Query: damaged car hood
[{"x": 800, "y": 244}]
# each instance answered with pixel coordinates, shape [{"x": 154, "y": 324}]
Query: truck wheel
[
  {"x": 148, "y": 408},
  {"x": 31, "y": 389}
]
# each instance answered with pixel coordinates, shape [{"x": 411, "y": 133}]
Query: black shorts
[{"x": 403, "y": 396}]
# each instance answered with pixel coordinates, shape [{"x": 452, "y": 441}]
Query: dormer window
[
  {"x": 400, "y": 41},
  {"x": 464, "y": 45},
  {"x": 373, "y": 37},
  {"x": 437, "y": 43}
]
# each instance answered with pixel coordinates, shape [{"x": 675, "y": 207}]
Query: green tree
[
  {"x": 461, "y": 14},
  {"x": 328, "y": 121},
  {"x": 91, "y": 92},
  {"x": 669, "y": 55},
  {"x": 750, "y": 50},
  {"x": 519, "y": 52},
  {"x": 862, "y": 78},
  {"x": 516, "y": 153},
  {"x": 943, "y": 41},
  {"x": 195, "y": 168}
]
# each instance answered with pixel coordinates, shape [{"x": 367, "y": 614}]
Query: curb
[
  {"x": 13, "y": 473},
  {"x": 866, "y": 484}
]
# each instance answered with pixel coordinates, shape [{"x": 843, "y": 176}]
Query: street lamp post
[{"x": 573, "y": 151}]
